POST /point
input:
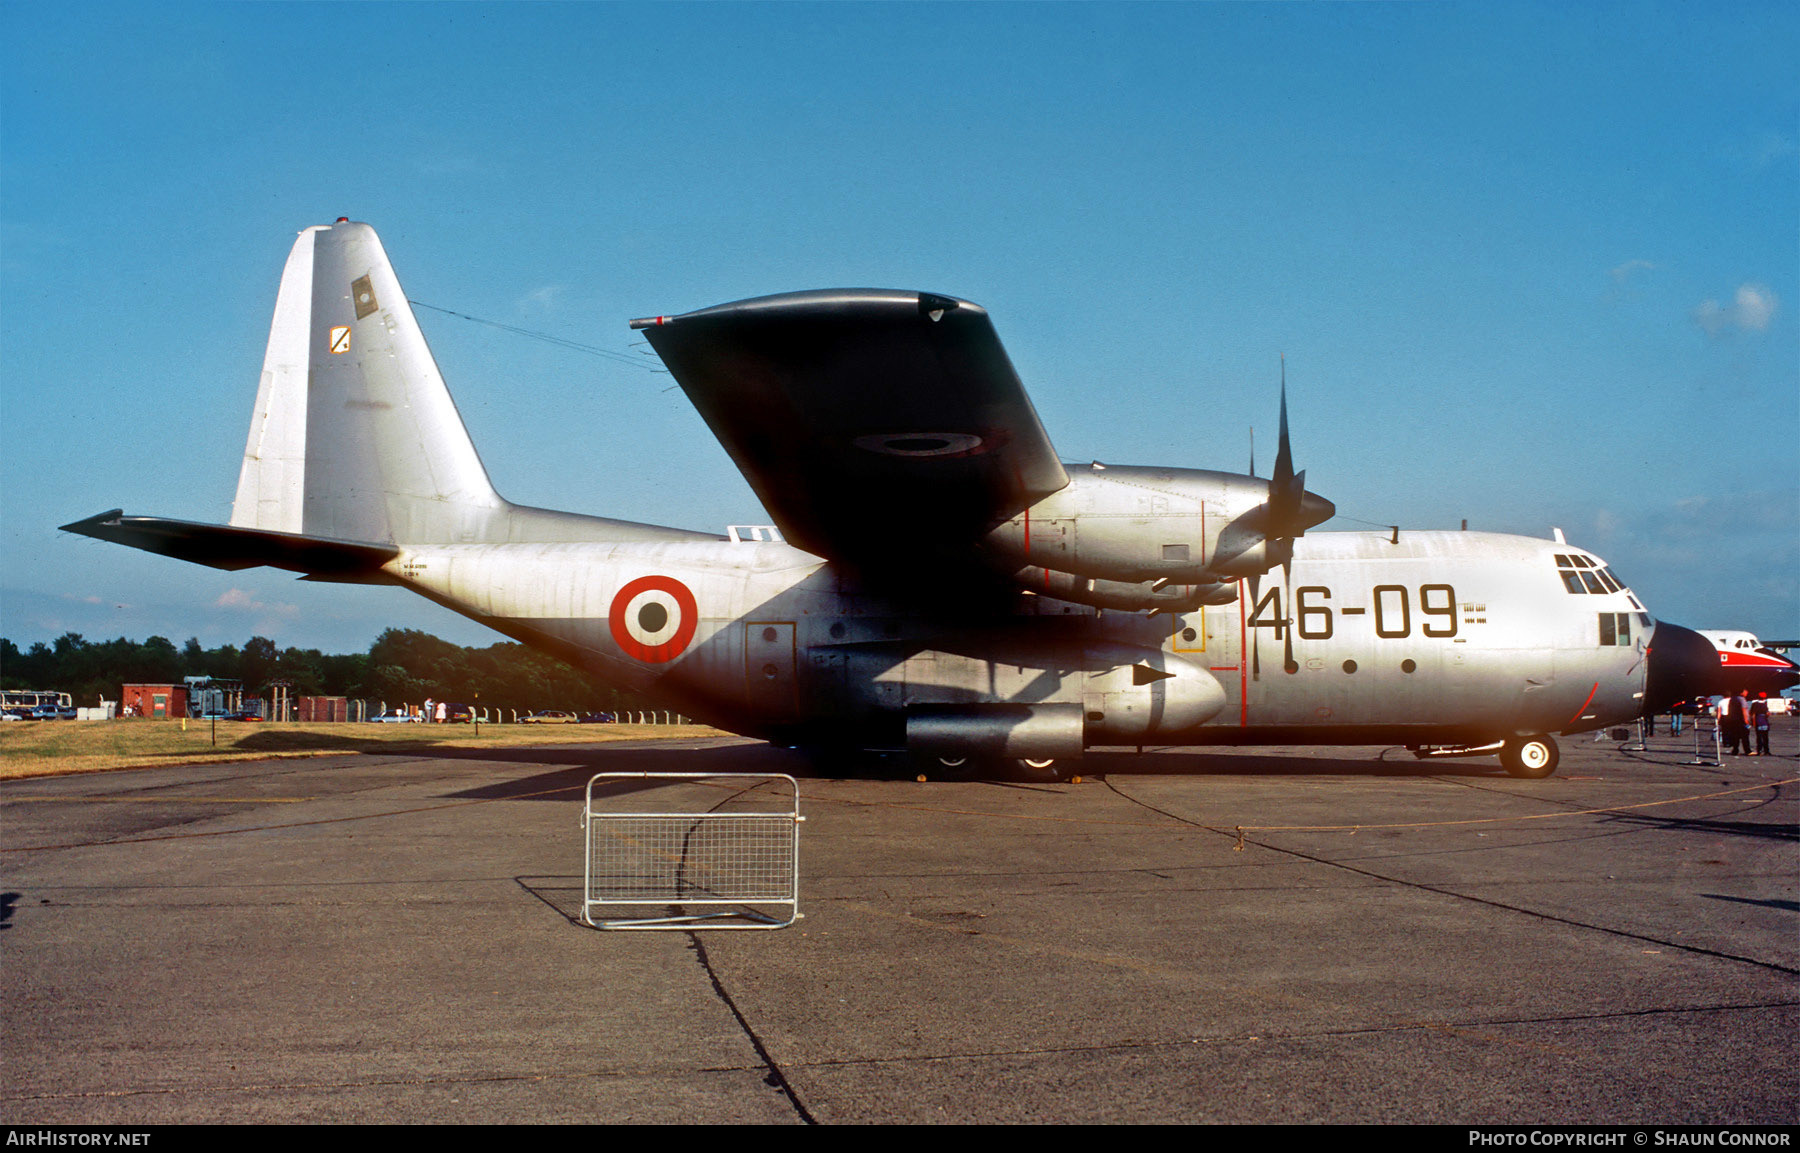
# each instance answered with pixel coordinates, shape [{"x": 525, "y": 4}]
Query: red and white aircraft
[{"x": 1747, "y": 663}]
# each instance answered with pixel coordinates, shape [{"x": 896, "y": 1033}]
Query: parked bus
[{"x": 21, "y": 703}]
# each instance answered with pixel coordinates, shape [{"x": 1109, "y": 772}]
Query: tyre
[
  {"x": 931, "y": 767},
  {"x": 1532, "y": 758},
  {"x": 1037, "y": 769}
]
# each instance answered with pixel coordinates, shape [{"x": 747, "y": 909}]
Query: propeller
[
  {"x": 1287, "y": 500},
  {"x": 1287, "y": 513},
  {"x": 1263, "y": 537}
]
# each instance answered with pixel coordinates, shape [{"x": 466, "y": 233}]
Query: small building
[
  {"x": 159, "y": 702},
  {"x": 322, "y": 708}
]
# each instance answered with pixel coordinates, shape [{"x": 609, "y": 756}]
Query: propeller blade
[
  {"x": 1288, "y": 663},
  {"x": 1284, "y": 452}
]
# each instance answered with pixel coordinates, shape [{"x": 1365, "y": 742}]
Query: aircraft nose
[{"x": 1683, "y": 665}]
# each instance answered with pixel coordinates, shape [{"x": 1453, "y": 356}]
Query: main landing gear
[{"x": 996, "y": 768}]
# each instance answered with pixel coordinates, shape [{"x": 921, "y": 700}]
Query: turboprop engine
[{"x": 1158, "y": 539}]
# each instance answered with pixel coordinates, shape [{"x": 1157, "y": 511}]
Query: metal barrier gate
[{"x": 664, "y": 844}]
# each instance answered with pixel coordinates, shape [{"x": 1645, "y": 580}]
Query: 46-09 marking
[{"x": 1394, "y": 606}]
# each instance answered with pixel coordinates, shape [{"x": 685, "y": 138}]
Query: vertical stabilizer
[{"x": 355, "y": 436}]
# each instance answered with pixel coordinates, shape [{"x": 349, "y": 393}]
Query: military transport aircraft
[{"x": 937, "y": 580}]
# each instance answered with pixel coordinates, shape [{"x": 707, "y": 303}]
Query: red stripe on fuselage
[
  {"x": 1584, "y": 704},
  {"x": 1733, "y": 660}
]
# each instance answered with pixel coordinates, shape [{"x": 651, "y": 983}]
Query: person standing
[
  {"x": 1759, "y": 721},
  {"x": 1737, "y": 723}
]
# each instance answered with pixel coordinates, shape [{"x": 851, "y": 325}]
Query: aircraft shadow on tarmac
[
  {"x": 1785, "y": 906},
  {"x": 1389, "y": 762},
  {"x": 575, "y": 764},
  {"x": 298, "y": 742},
  {"x": 1769, "y": 831}
]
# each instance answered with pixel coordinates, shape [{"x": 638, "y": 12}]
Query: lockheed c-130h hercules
[{"x": 940, "y": 582}]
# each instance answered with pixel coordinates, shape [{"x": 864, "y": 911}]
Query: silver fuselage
[{"x": 1433, "y": 637}]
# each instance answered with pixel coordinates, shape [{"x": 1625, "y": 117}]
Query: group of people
[{"x": 1739, "y": 716}]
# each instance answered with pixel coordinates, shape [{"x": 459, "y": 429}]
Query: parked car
[
  {"x": 395, "y": 719},
  {"x": 549, "y": 717},
  {"x": 458, "y": 714},
  {"x": 596, "y": 718},
  {"x": 52, "y": 713}
]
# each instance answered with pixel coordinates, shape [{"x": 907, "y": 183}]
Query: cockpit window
[{"x": 1581, "y": 574}]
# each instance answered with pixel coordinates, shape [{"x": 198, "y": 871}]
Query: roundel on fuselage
[{"x": 653, "y": 618}]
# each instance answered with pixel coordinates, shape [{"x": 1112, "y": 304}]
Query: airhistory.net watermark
[
  {"x": 62, "y": 1138},
  {"x": 1632, "y": 1137}
]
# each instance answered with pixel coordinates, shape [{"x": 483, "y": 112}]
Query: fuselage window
[{"x": 1615, "y": 629}]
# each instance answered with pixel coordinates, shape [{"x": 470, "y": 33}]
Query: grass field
[{"x": 47, "y": 748}]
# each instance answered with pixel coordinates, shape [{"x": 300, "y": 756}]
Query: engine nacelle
[{"x": 1128, "y": 524}]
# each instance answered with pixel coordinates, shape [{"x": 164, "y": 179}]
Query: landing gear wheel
[
  {"x": 1038, "y": 769},
  {"x": 1533, "y": 758},
  {"x": 936, "y": 768}
]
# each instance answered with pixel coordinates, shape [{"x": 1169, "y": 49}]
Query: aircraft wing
[{"x": 877, "y": 427}]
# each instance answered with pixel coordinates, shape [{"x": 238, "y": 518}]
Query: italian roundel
[{"x": 653, "y": 618}]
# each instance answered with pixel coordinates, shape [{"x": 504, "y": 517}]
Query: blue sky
[{"x": 1530, "y": 265}]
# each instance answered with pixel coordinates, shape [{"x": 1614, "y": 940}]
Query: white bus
[{"x": 20, "y": 702}]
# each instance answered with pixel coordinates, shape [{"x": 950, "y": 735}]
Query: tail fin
[
  {"x": 355, "y": 447},
  {"x": 355, "y": 436}
]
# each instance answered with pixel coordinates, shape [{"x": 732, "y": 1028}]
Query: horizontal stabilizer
[{"x": 224, "y": 547}]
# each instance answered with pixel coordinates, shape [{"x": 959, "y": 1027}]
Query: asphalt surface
[{"x": 1273, "y": 935}]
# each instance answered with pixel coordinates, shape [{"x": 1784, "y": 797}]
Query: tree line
[{"x": 403, "y": 665}]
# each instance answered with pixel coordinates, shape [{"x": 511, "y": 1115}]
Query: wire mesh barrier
[{"x": 715, "y": 851}]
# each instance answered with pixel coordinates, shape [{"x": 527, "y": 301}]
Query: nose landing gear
[{"x": 1532, "y": 758}]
